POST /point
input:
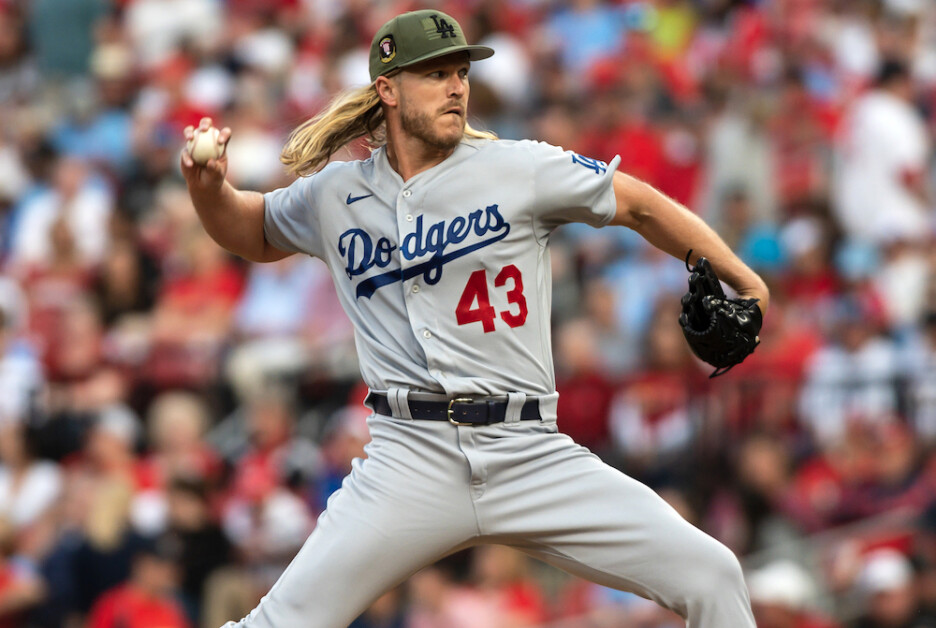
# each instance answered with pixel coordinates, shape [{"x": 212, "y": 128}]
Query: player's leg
[
  {"x": 403, "y": 507},
  {"x": 560, "y": 503}
]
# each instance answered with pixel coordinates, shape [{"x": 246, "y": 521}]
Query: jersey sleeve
[
  {"x": 290, "y": 219},
  {"x": 569, "y": 187}
]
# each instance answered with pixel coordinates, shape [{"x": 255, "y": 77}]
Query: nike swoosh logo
[{"x": 355, "y": 199}]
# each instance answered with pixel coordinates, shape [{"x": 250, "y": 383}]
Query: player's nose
[{"x": 456, "y": 87}]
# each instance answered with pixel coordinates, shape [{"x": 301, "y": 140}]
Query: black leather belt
[{"x": 458, "y": 411}]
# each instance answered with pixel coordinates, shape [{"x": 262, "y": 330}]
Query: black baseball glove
[{"x": 719, "y": 331}]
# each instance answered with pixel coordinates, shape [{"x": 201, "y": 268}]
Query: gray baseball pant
[{"x": 428, "y": 488}]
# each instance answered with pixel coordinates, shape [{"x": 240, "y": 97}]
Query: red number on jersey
[
  {"x": 515, "y": 295},
  {"x": 476, "y": 290}
]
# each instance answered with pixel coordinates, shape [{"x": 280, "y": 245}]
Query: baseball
[{"x": 204, "y": 146}]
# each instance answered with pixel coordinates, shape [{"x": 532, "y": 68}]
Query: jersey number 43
[{"x": 476, "y": 291}]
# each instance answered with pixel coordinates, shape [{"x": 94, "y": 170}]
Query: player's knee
[
  {"x": 728, "y": 569},
  {"x": 717, "y": 573}
]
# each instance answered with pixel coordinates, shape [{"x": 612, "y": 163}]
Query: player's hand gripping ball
[
  {"x": 719, "y": 331},
  {"x": 204, "y": 146}
]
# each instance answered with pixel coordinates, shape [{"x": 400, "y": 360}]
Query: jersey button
[
  {"x": 407, "y": 193},
  {"x": 416, "y": 288},
  {"x": 409, "y": 217},
  {"x": 427, "y": 334}
]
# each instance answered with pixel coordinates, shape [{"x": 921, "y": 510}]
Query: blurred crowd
[{"x": 173, "y": 419}]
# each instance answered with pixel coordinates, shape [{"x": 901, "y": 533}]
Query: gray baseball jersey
[{"x": 446, "y": 277}]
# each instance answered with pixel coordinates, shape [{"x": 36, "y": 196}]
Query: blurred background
[{"x": 173, "y": 419}]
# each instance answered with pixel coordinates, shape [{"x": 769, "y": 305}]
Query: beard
[{"x": 420, "y": 125}]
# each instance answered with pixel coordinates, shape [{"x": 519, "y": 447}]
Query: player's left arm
[{"x": 670, "y": 227}]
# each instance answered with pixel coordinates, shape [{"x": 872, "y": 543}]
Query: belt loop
[
  {"x": 393, "y": 399},
  {"x": 548, "y": 405},
  {"x": 403, "y": 400},
  {"x": 515, "y": 401}
]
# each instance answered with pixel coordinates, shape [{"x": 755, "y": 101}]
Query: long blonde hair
[{"x": 353, "y": 114}]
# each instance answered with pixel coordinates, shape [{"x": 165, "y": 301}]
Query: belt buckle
[{"x": 449, "y": 411}]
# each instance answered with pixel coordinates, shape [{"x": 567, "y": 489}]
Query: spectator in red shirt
[
  {"x": 503, "y": 579},
  {"x": 801, "y": 129},
  {"x": 265, "y": 515},
  {"x": 811, "y": 278},
  {"x": 585, "y": 391},
  {"x": 177, "y": 423},
  {"x": 83, "y": 381},
  {"x": 53, "y": 284},
  {"x": 652, "y": 418},
  {"x": 193, "y": 314},
  {"x": 147, "y": 599},
  {"x": 620, "y": 127}
]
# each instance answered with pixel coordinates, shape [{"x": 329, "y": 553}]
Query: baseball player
[{"x": 437, "y": 245}]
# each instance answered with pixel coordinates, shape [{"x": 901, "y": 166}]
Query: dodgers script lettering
[{"x": 361, "y": 253}]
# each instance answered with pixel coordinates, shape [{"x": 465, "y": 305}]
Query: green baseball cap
[{"x": 417, "y": 36}]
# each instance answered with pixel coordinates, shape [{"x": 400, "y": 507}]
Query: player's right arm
[
  {"x": 670, "y": 227},
  {"x": 232, "y": 217}
]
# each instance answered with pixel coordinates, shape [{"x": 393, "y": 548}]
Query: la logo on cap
[
  {"x": 438, "y": 27},
  {"x": 387, "y": 48}
]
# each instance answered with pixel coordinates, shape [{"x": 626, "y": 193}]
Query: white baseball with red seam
[{"x": 204, "y": 145}]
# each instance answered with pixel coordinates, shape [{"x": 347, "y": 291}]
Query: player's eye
[{"x": 463, "y": 73}]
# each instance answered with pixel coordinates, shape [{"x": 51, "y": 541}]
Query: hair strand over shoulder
[{"x": 351, "y": 115}]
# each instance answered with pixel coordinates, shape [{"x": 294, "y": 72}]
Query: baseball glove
[{"x": 719, "y": 331}]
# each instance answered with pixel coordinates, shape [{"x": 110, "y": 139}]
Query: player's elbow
[
  {"x": 269, "y": 253},
  {"x": 258, "y": 252}
]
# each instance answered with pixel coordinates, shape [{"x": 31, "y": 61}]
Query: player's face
[{"x": 434, "y": 100}]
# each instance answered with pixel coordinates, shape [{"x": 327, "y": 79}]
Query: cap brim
[{"x": 475, "y": 53}]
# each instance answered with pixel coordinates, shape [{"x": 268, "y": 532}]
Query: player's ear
[{"x": 387, "y": 90}]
